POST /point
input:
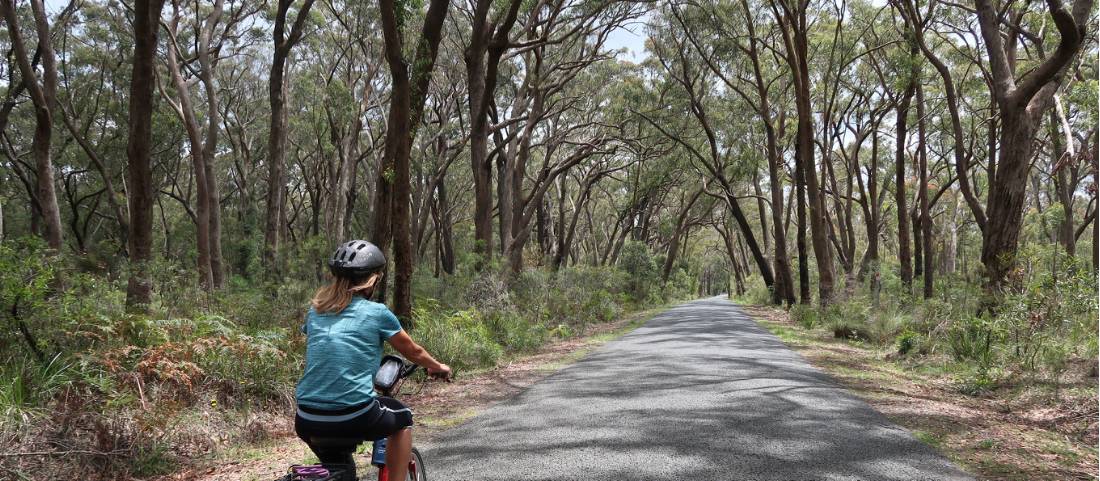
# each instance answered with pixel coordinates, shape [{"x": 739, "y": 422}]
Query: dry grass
[{"x": 1027, "y": 431}]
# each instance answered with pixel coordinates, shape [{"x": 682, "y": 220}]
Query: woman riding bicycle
[{"x": 345, "y": 331}]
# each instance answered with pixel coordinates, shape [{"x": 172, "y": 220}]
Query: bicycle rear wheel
[{"x": 416, "y": 467}]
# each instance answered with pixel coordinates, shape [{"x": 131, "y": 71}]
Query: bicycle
[{"x": 387, "y": 381}]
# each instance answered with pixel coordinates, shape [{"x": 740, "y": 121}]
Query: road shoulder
[{"x": 986, "y": 436}]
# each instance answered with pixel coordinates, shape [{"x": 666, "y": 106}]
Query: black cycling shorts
[{"x": 375, "y": 420}]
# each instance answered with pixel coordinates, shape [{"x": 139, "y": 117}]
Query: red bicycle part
[{"x": 384, "y": 474}]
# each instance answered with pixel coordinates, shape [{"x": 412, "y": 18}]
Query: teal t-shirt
[{"x": 343, "y": 350}]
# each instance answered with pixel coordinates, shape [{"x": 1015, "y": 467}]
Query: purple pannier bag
[{"x": 311, "y": 472}]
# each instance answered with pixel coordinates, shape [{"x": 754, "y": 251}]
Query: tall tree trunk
[
  {"x": 275, "y": 210},
  {"x": 479, "y": 155},
  {"x": 900, "y": 198},
  {"x": 43, "y": 96},
  {"x": 407, "y": 96},
  {"x": 1021, "y": 104},
  {"x": 210, "y": 146},
  {"x": 918, "y": 240},
  {"x": 186, "y": 112},
  {"x": 488, "y": 42},
  {"x": 951, "y": 241},
  {"x": 795, "y": 31},
  {"x": 765, "y": 234},
  {"x": 139, "y": 289},
  {"x": 873, "y": 222},
  {"x": 674, "y": 243},
  {"x": 446, "y": 238},
  {"x": 804, "y": 295},
  {"x": 542, "y": 229},
  {"x": 1060, "y": 149},
  {"x": 784, "y": 283},
  {"x": 925, "y": 216}
]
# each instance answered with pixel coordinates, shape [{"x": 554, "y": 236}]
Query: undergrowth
[
  {"x": 1042, "y": 330},
  {"x": 121, "y": 395}
]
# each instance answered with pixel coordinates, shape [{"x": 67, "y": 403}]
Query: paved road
[{"x": 699, "y": 392}]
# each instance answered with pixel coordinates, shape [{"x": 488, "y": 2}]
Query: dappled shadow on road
[{"x": 699, "y": 392}]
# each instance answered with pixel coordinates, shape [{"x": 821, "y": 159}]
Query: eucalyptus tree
[
  {"x": 794, "y": 29},
  {"x": 488, "y": 41},
  {"x": 350, "y": 61},
  {"x": 215, "y": 34},
  {"x": 90, "y": 104},
  {"x": 691, "y": 83},
  {"x": 1021, "y": 101},
  {"x": 408, "y": 91},
  {"x": 142, "y": 81},
  {"x": 283, "y": 40},
  {"x": 563, "y": 57},
  {"x": 43, "y": 94},
  {"x": 442, "y": 144},
  {"x": 734, "y": 33}
]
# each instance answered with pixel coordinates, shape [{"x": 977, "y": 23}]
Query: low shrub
[
  {"x": 847, "y": 320},
  {"x": 756, "y": 292},
  {"x": 638, "y": 263},
  {"x": 459, "y": 337},
  {"x": 804, "y": 315},
  {"x": 972, "y": 340},
  {"x": 515, "y": 332},
  {"x": 907, "y": 341}
]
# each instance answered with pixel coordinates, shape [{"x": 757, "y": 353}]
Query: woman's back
[{"x": 343, "y": 350}]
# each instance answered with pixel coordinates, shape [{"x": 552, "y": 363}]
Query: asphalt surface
[{"x": 700, "y": 392}]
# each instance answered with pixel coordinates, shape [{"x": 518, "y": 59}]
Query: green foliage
[
  {"x": 907, "y": 341},
  {"x": 27, "y": 272},
  {"x": 637, "y": 263},
  {"x": 804, "y": 315},
  {"x": 755, "y": 291},
  {"x": 26, "y": 387},
  {"x": 976, "y": 381},
  {"x": 1045, "y": 322},
  {"x": 459, "y": 337},
  {"x": 514, "y": 332},
  {"x": 972, "y": 340},
  {"x": 847, "y": 320}
]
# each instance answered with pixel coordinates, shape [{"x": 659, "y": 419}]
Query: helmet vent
[
  {"x": 351, "y": 257},
  {"x": 361, "y": 246}
]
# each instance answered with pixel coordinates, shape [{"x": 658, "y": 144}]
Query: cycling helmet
[{"x": 356, "y": 259}]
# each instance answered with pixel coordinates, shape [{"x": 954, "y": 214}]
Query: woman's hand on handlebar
[
  {"x": 413, "y": 352},
  {"x": 443, "y": 372}
]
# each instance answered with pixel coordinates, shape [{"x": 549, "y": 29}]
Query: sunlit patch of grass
[
  {"x": 449, "y": 420},
  {"x": 1066, "y": 455},
  {"x": 931, "y": 439},
  {"x": 986, "y": 444}
]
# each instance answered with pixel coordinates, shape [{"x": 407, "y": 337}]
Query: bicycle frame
[
  {"x": 384, "y": 474},
  {"x": 378, "y": 459}
]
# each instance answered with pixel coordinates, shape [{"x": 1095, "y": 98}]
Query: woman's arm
[{"x": 413, "y": 352}]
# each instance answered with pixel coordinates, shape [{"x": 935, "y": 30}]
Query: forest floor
[
  {"x": 437, "y": 405},
  {"x": 1022, "y": 431}
]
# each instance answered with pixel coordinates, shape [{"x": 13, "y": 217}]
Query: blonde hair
[{"x": 337, "y": 295}]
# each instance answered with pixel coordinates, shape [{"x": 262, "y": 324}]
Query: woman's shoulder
[{"x": 367, "y": 306}]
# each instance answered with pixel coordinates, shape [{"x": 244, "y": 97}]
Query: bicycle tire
[{"x": 417, "y": 469}]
